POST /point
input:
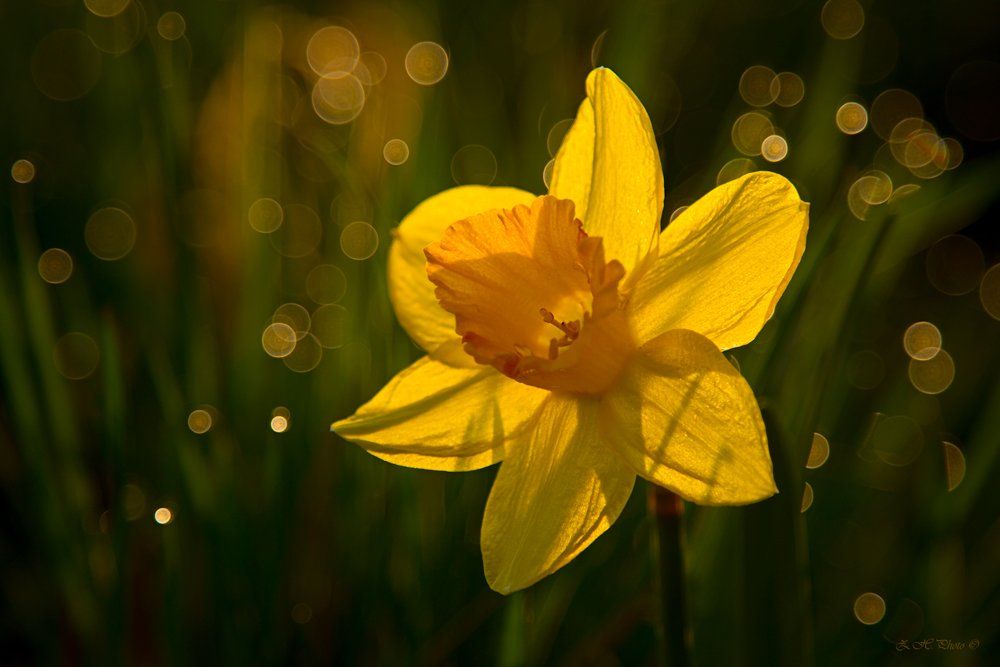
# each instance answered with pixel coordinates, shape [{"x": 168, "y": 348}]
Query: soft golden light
[
  {"x": 989, "y": 292},
  {"x": 473, "y": 165},
  {"x": 807, "y": 497},
  {"x": 330, "y": 325},
  {"x": 279, "y": 424},
  {"x": 359, "y": 240},
  {"x": 774, "y": 148},
  {"x": 65, "y": 65},
  {"x": 171, "y": 26},
  {"x": 278, "y": 340},
  {"x": 851, "y": 118},
  {"x": 734, "y": 169},
  {"x": 677, "y": 211},
  {"x": 819, "y": 452},
  {"x": 954, "y": 465},
  {"x": 338, "y": 97},
  {"x": 76, "y": 355},
  {"x": 118, "y": 34},
  {"x": 547, "y": 173},
  {"x": 265, "y": 215},
  {"x": 300, "y": 232},
  {"x": 371, "y": 68},
  {"x": 306, "y": 356},
  {"x": 554, "y": 139},
  {"x": 294, "y": 315},
  {"x": 922, "y": 340},
  {"x": 955, "y": 265},
  {"x": 890, "y": 108},
  {"x": 426, "y": 63},
  {"x": 106, "y": 8},
  {"x": 934, "y": 375},
  {"x": 325, "y": 284},
  {"x": 757, "y": 86},
  {"x": 163, "y": 516},
  {"x": 332, "y": 49},
  {"x": 109, "y": 233},
  {"x": 396, "y": 151},
  {"x": 897, "y": 440},
  {"x": 869, "y": 608},
  {"x": 749, "y": 132},
  {"x": 23, "y": 171},
  {"x": 788, "y": 89},
  {"x": 55, "y": 266},
  {"x": 200, "y": 421},
  {"x": 842, "y": 19}
]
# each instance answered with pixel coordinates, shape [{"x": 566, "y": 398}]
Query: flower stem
[{"x": 666, "y": 510}]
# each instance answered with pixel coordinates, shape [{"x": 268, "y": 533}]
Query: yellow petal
[
  {"x": 411, "y": 292},
  {"x": 556, "y": 492},
  {"x": 685, "y": 419},
  {"x": 724, "y": 262},
  {"x": 439, "y": 417},
  {"x": 609, "y": 166}
]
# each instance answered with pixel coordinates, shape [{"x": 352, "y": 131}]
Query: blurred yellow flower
[{"x": 570, "y": 338}]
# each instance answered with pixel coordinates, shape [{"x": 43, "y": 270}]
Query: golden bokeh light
[
  {"x": 55, "y": 266},
  {"x": 300, "y": 232},
  {"x": 807, "y": 497},
  {"x": 851, "y": 118},
  {"x": 922, "y": 340},
  {"x": 326, "y": 284},
  {"x": 76, "y": 355},
  {"x": 200, "y": 421},
  {"x": 330, "y": 326},
  {"x": 953, "y": 152},
  {"x": 547, "y": 173},
  {"x": 890, "y": 108},
  {"x": 163, "y": 515},
  {"x": 65, "y": 65},
  {"x": 788, "y": 89},
  {"x": 117, "y": 34},
  {"x": 902, "y": 192},
  {"x": 265, "y": 215},
  {"x": 109, "y": 233},
  {"x": 359, "y": 240},
  {"x": 396, "y": 151},
  {"x": 955, "y": 265},
  {"x": 338, "y": 97},
  {"x": 897, "y": 440},
  {"x": 774, "y": 148},
  {"x": 306, "y": 355},
  {"x": 734, "y": 169},
  {"x": 869, "y": 608},
  {"x": 757, "y": 86},
  {"x": 302, "y": 613},
  {"x": 875, "y": 187},
  {"x": 171, "y": 26},
  {"x": 842, "y": 19},
  {"x": 749, "y": 132},
  {"x": 473, "y": 164},
  {"x": 426, "y": 63},
  {"x": 819, "y": 451},
  {"x": 556, "y": 134},
  {"x": 989, "y": 292},
  {"x": 279, "y": 424},
  {"x": 106, "y": 8},
  {"x": 677, "y": 211},
  {"x": 295, "y": 316},
  {"x": 371, "y": 68},
  {"x": 954, "y": 465},
  {"x": 22, "y": 171},
  {"x": 332, "y": 49},
  {"x": 934, "y": 375},
  {"x": 278, "y": 340}
]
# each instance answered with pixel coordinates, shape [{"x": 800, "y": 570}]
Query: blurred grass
[{"x": 294, "y": 547}]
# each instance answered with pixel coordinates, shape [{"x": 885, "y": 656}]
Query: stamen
[{"x": 571, "y": 329}]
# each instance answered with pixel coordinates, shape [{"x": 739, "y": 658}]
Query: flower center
[{"x": 533, "y": 296}]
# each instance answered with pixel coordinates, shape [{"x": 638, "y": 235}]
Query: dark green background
[{"x": 385, "y": 560}]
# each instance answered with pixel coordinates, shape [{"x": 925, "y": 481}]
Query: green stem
[{"x": 666, "y": 510}]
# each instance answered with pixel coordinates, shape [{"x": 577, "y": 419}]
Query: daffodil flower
[{"x": 570, "y": 339}]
